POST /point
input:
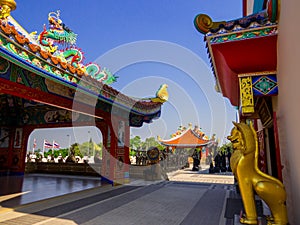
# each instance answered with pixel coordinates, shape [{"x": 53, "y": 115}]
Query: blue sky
[{"x": 146, "y": 43}]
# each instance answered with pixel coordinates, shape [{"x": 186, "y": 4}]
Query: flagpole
[
  {"x": 33, "y": 146},
  {"x": 44, "y": 147}
]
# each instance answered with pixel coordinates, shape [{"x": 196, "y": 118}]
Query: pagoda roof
[
  {"x": 19, "y": 47},
  {"x": 245, "y": 46},
  {"x": 188, "y": 139}
]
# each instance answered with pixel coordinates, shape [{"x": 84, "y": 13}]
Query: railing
[
  {"x": 156, "y": 171},
  {"x": 64, "y": 168}
]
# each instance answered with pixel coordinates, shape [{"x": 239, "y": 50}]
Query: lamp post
[
  {"x": 93, "y": 147},
  {"x": 89, "y": 144},
  {"x": 69, "y": 143}
]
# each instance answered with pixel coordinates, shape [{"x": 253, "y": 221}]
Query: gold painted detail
[
  {"x": 228, "y": 36},
  {"x": 204, "y": 23},
  {"x": 244, "y": 164},
  {"x": 6, "y": 6},
  {"x": 261, "y": 73},
  {"x": 246, "y": 95}
]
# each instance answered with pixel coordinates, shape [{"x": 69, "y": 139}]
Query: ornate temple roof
[
  {"x": 42, "y": 55},
  {"x": 189, "y": 138}
]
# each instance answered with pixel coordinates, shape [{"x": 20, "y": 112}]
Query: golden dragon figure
[{"x": 251, "y": 180}]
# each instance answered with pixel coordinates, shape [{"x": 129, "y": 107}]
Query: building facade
[{"x": 254, "y": 60}]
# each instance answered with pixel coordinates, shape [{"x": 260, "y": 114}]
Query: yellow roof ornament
[
  {"x": 6, "y": 6},
  {"x": 162, "y": 94},
  {"x": 204, "y": 23}
]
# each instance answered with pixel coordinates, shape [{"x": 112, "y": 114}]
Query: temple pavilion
[
  {"x": 186, "y": 138},
  {"x": 46, "y": 84},
  {"x": 190, "y": 138}
]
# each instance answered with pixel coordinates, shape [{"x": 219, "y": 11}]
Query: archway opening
[{"x": 56, "y": 145}]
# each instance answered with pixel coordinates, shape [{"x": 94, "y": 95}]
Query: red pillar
[
  {"x": 116, "y": 156},
  {"x": 13, "y": 151}
]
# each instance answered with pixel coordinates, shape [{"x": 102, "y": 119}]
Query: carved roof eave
[
  {"x": 214, "y": 30},
  {"x": 86, "y": 84}
]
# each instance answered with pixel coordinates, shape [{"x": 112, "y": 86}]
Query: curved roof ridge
[
  {"x": 174, "y": 138},
  {"x": 186, "y": 140},
  {"x": 257, "y": 19}
]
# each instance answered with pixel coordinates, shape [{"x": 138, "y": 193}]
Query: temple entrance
[{"x": 268, "y": 126}]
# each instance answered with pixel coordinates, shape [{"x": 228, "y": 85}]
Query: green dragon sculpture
[{"x": 59, "y": 34}]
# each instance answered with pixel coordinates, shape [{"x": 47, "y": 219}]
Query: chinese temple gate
[{"x": 43, "y": 86}]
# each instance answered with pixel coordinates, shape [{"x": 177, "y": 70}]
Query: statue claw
[
  {"x": 246, "y": 220},
  {"x": 270, "y": 218}
]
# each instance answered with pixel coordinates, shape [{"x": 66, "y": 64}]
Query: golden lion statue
[{"x": 251, "y": 180}]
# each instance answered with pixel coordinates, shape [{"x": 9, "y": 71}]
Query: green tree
[
  {"x": 135, "y": 143},
  {"x": 225, "y": 148},
  {"x": 97, "y": 148},
  {"x": 88, "y": 148},
  {"x": 151, "y": 142},
  {"x": 84, "y": 148},
  {"x": 63, "y": 152},
  {"x": 75, "y": 147}
]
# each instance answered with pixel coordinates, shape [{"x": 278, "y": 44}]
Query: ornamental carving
[{"x": 246, "y": 95}]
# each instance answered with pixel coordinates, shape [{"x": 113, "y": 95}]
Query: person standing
[{"x": 196, "y": 160}]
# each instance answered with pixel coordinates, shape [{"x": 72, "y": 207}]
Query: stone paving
[
  {"x": 187, "y": 198},
  {"x": 201, "y": 176}
]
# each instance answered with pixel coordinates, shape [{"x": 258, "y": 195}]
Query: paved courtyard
[
  {"x": 202, "y": 176},
  {"x": 187, "y": 198}
]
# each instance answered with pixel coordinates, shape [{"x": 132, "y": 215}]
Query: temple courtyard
[{"x": 187, "y": 197}]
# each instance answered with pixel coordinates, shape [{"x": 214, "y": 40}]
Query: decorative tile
[{"x": 265, "y": 85}]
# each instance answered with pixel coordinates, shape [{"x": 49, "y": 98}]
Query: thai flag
[
  {"x": 47, "y": 144},
  {"x": 55, "y": 145}
]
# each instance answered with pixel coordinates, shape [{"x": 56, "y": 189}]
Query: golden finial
[
  {"x": 6, "y": 6},
  {"x": 204, "y": 23},
  {"x": 162, "y": 94}
]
